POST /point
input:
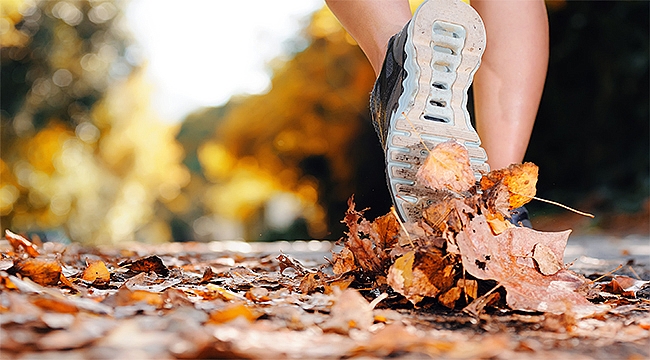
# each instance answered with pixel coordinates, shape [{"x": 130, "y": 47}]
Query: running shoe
[{"x": 420, "y": 96}]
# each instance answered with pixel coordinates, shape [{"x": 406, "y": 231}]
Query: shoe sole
[{"x": 446, "y": 39}]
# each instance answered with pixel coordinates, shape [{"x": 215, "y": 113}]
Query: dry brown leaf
[
  {"x": 519, "y": 180},
  {"x": 367, "y": 256},
  {"x": 441, "y": 215},
  {"x": 506, "y": 259},
  {"x": 258, "y": 294},
  {"x": 314, "y": 281},
  {"x": 125, "y": 297},
  {"x": 6, "y": 283},
  {"x": 470, "y": 287},
  {"x": 421, "y": 274},
  {"x": 341, "y": 282},
  {"x": 546, "y": 260},
  {"x": 521, "y": 183},
  {"x": 449, "y": 298},
  {"x": 20, "y": 242},
  {"x": 624, "y": 286},
  {"x": 350, "y": 310},
  {"x": 216, "y": 292},
  {"x": 42, "y": 270},
  {"x": 388, "y": 229},
  {"x": 96, "y": 270},
  {"x": 447, "y": 167},
  {"x": 149, "y": 264},
  {"x": 497, "y": 222},
  {"x": 207, "y": 275},
  {"x": 343, "y": 261},
  {"x": 287, "y": 261},
  {"x": 65, "y": 282},
  {"x": 57, "y": 305}
]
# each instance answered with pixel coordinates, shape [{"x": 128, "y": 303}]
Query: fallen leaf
[
  {"x": 504, "y": 258},
  {"x": 388, "y": 229},
  {"x": 207, "y": 275},
  {"x": 497, "y": 222},
  {"x": 519, "y": 180},
  {"x": 314, "y": 281},
  {"x": 546, "y": 260},
  {"x": 449, "y": 298},
  {"x": 54, "y": 304},
  {"x": 42, "y": 270},
  {"x": 343, "y": 261},
  {"x": 96, "y": 270},
  {"x": 425, "y": 273},
  {"x": 20, "y": 242},
  {"x": 441, "y": 215},
  {"x": 286, "y": 261},
  {"x": 362, "y": 240},
  {"x": 149, "y": 264},
  {"x": 232, "y": 312},
  {"x": 258, "y": 294},
  {"x": 64, "y": 280},
  {"x": 470, "y": 287},
  {"x": 342, "y": 282},
  {"x": 126, "y": 297},
  {"x": 218, "y": 292},
  {"x": 350, "y": 310},
  {"x": 447, "y": 167},
  {"x": 624, "y": 286}
]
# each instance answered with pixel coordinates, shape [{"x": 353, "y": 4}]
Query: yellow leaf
[
  {"x": 232, "y": 312},
  {"x": 96, "y": 270}
]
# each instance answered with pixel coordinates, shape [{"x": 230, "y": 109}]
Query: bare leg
[
  {"x": 372, "y": 24},
  {"x": 508, "y": 85}
]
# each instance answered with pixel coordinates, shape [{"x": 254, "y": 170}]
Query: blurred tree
[
  {"x": 309, "y": 136},
  {"x": 73, "y": 112}
]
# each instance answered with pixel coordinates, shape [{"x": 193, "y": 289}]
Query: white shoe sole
[{"x": 446, "y": 39}]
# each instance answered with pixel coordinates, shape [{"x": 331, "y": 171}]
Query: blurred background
[{"x": 203, "y": 120}]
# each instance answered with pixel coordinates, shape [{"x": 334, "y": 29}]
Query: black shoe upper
[
  {"x": 520, "y": 217},
  {"x": 388, "y": 87}
]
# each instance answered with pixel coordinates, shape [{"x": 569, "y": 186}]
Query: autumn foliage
[
  {"x": 194, "y": 301},
  {"x": 463, "y": 238}
]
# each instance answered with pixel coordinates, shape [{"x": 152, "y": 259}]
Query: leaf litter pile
[{"x": 463, "y": 282}]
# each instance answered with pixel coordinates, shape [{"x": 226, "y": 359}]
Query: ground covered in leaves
[
  {"x": 205, "y": 301},
  {"x": 462, "y": 279}
]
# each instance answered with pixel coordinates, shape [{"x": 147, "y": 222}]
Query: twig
[
  {"x": 634, "y": 272},
  {"x": 377, "y": 300},
  {"x": 556, "y": 204},
  {"x": 607, "y": 274},
  {"x": 401, "y": 224}
]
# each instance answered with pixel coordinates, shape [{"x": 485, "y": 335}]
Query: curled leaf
[
  {"x": 546, "y": 260},
  {"x": 516, "y": 183},
  {"x": 150, "y": 264},
  {"x": 20, "y": 242}
]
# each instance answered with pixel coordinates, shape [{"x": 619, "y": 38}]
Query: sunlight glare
[{"x": 201, "y": 52}]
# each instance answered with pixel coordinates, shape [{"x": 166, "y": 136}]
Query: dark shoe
[
  {"x": 420, "y": 96},
  {"x": 520, "y": 217}
]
